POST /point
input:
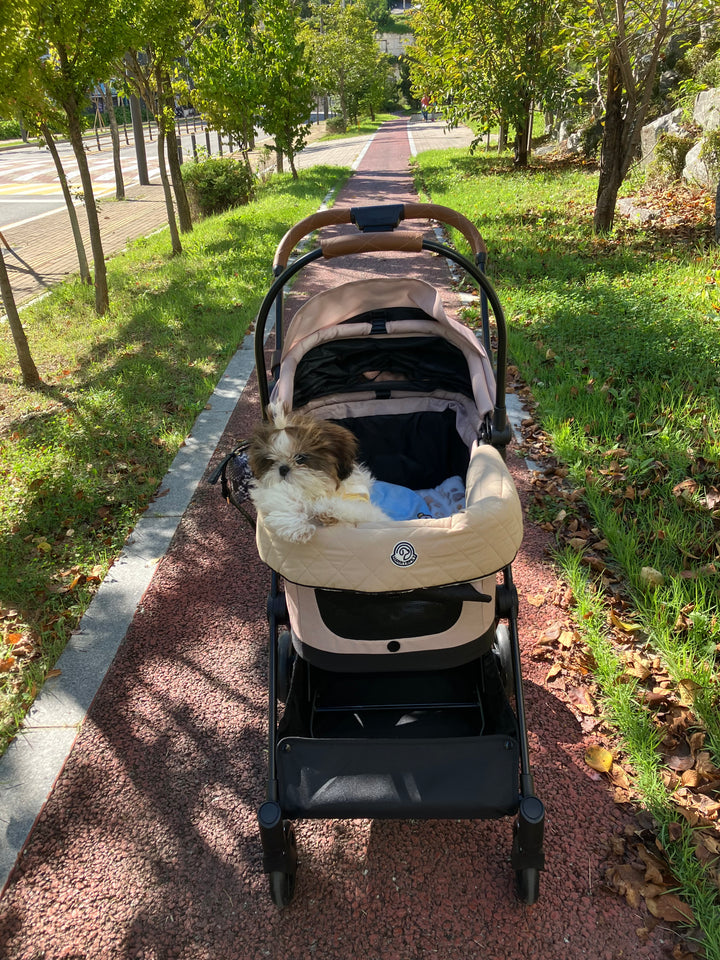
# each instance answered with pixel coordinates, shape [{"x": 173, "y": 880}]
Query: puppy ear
[
  {"x": 345, "y": 449},
  {"x": 258, "y": 449}
]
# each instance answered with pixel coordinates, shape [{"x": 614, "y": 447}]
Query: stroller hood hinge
[{"x": 485, "y": 431}]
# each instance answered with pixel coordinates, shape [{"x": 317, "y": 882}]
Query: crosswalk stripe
[{"x": 31, "y": 189}]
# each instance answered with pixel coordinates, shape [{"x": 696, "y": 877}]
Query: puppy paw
[{"x": 326, "y": 519}]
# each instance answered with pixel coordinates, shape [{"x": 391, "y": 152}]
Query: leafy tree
[
  {"x": 226, "y": 75},
  {"x": 286, "y": 83},
  {"x": 347, "y": 59},
  {"x": 626, "y": 39},
  {"x": 30, "y": 375},
  {"x": 488, "y": 62},
  {"x": 20, "y": 93},
  {"x": 146, "y": 74},
  {"x": 162, "y": 31},
  {"x": 16, "y": 56},
  {"x": 82, "y": 40},
  {"x": 115, "y": 138},
  {"x": 45, "y": 132}
]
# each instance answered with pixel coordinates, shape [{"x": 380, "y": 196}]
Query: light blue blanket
[{"x": 401, "y": 503}]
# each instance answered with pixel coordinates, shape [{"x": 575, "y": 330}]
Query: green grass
[
  {"x": 618, "y": 339},
  {"x": 80, "y": 459}
]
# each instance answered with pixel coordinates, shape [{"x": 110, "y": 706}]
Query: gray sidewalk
[{"x": 32, "y": 763}]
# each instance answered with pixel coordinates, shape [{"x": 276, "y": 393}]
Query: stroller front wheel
[
  {"x": 282, "y": 884},
  {"x": 528, "y": 885},
  {"x": 503, "y": 652},
  {"x": 282, "y": 888}
]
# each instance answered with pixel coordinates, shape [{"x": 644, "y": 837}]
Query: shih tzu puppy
[{"x": 306, "y": 475}]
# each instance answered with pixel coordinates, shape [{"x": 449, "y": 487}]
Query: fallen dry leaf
[
  {"x": 537, "y": 600},
  {"x": 654, "y": 870},
  {"x": 581, "y": 698},
  {"x": 670, "y": 908},
  {"x": 554, "y": 670},
  {"x": 625, "y": 625},
  {"x": 627, "y": 880},
  {"x": 599, "y": 758}
]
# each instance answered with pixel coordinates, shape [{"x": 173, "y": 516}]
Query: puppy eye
[{"x": 300, "y": 459}]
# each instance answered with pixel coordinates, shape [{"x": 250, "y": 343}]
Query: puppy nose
[{"x": 283, "y": 470}]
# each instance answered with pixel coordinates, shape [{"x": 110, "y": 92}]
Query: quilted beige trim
[{"x": 411, "y": 554}]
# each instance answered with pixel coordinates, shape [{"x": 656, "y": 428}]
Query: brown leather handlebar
[
  {"x": 435, "y": 211},
  {"x": 316, "y": 221},
  {"x": 369, "y": 242}
]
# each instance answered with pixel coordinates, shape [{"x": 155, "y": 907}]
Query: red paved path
[{"x": 148, "y": 849}]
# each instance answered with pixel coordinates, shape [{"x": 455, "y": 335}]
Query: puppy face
[{"x": 313, "y": 455}]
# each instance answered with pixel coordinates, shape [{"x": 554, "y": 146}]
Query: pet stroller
[{"x": 394, "y": 646}]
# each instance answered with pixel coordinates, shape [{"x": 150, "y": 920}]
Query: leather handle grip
[
  {"x": 316, "y": 221},
  {"x": 371, "y": 243}
]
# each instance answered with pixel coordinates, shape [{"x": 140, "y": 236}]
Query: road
[{"x": 29, "y": 184}]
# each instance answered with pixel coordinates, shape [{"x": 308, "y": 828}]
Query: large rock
[
  {"x": 706, "y": 110},
  {"x": 696, "y": 170},
  {"x": 651, "y": 133}
]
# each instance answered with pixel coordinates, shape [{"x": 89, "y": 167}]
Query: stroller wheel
[
  {"x": 285, "y": 657},
  {"x": 282, "y": 885},
  {"x": 503, "y": 652},
  {"x": 528, "y": 885}
]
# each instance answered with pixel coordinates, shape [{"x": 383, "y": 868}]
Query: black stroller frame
[{"x": 485, "y": 771}]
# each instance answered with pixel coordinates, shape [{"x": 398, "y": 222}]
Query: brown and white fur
[{"x": 306, "y": 475}]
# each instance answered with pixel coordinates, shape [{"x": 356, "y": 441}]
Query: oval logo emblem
[{"x": 403, "y": 554}]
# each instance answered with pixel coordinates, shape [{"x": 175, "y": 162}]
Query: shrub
[
  {"x": 218, "y": 183},
  {"x": 670, "y": 152},
  {"x": 336, "y": 125},
  {"x": 9, "y": 130}
]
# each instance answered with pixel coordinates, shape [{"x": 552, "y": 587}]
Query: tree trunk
[
  {"x": 102, "y": 300},
  {"x": 521, "y": 142},
  {"x": 30, "y": 375},
  {"x": 181, "y": 198},
  {"x": 502, "y": 136},
  {"x": 279, "y": 160},
  {"x": 72, "y": 212},
  {"x": 115, "y": 137},
  {"x": 611, "y": 151},
  {"x": 172, "y": 223}
]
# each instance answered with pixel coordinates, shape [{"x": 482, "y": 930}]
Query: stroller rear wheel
[
  {"x": 285, "y": 658},
  {"x": 282, "y": 885}
]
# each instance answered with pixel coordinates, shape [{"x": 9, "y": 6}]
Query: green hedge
[
  {"x": 218, "y": 183},
  {"x": 9, "y": 130}
]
